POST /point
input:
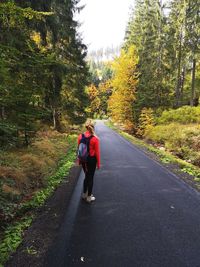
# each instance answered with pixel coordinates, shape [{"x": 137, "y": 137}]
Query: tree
[
  {"x": 146, "y": 122},
  {"x": 124, "y": 83},
  {"x": 182, "y": 48},
  {"x": 42, "y": 68},
  {"x": 146, "y": 31},
  {"x": 193, "y": 40},
  {"x": 168, "y": 48},
  {"x": 20, "y": 68},
  {"x": 176, "y": 49}
]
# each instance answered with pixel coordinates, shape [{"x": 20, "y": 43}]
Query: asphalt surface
[{"x": 143, "y": 215}]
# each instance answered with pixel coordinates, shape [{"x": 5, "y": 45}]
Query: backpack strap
[{"x": 88, "y": 143}]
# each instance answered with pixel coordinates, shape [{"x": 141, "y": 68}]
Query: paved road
[{"x": 143, "y": 216}]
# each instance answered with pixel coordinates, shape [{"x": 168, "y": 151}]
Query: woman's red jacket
[{"x": 94, "y": 146}]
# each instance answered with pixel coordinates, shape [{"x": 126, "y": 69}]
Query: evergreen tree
[
  {"x": 168, "y": 47},
  {"x": 176, "y": 49},
  {"x": 193, "y": 41},
  {"x": 20, "y": 68},
  {"x": 146, "y": 32},
  {"x": 182, "y": 49},
  {"x": 42, "y": 68}
]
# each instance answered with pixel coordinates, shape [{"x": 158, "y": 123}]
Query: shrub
[
  {"x": 183, "y": 115},
  {"x": 182, "y": 140},
  {"x": 146, "y": 121},
  {"x": 128, "y": 126}
]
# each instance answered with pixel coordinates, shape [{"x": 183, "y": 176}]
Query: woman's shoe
[
  {"x": 84, "y": 196},
  {"x": 91, "y": 198}
]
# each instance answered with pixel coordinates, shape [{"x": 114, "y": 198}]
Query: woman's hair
[{"x": 89, "y": 125}]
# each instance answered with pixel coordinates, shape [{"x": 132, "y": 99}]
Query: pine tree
[
  {"x": 42, "y": 68},
  {"x": 182, "y": 48},
  {"x": 193, "y": 40},
  {"x": 176, "y": 49},
  {"x": 146, "y": 32},
  {"x": 20, "y": 68}
]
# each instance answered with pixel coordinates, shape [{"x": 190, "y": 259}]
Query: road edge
[
  {"x": 173, "y": 168},
  {"x": 39, "y": 237}
]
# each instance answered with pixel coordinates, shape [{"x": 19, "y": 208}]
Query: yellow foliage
[
  {"x": 35, "y": 36},
  {"x": 146, "y": 122},
  {"x": 124, "y": 83},
  {"x": 105, "y": 87},
  {"x": 128, "y": 126},
  {"x": 92, "y": 92},
  {"x": 95, "y": 101}
]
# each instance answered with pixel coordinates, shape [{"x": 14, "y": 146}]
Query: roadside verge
[{"x": 36, "y": 229}]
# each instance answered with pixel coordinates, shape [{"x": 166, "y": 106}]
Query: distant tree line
[
  {"x": 104, "y": 54},
  {"x": 43, "y": 72}
]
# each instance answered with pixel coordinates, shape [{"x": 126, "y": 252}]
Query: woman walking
[{"x": 89, "y": 162}]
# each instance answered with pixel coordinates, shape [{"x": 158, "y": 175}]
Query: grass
[
  {"x": 13, "y": 237},
  {"x": 164, "y": 156},
  {"x": 25, "y": 171},
  {"x": 13, "y": 234}
]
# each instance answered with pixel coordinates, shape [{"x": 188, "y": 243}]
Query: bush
[
  {"x": 183, "y": 115},
  {"x": 182, "y": 140},
  {"x": 146, "y": 121}
]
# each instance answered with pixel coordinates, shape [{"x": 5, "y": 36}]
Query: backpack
[{"x": 83, "y": 148}]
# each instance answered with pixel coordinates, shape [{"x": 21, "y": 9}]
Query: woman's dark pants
[{"x": 89, "y": 169}]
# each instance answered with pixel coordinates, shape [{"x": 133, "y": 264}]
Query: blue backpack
[{"x": 83, "y": 148}]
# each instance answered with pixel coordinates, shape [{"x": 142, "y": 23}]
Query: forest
[
  {"x": 43, "y": 74},
  {"x": 50, "y": 84},
  {"x": 42, "y": 65},
  {"x": 152, "y": 88}
]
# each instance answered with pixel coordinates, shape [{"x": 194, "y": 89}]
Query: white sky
[{"x": 104, "y": 22}]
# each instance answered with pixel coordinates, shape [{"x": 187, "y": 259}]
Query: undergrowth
[{"x": 13, "y": 233}]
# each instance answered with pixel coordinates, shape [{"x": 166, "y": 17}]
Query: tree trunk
[
  {"x": 177, "y": 90},
  {"x": 3, "y": 113},
  {"x": 182, "y": 85},
  {"x": 56, "y": 120},
  {"x": 193, "y": 83},
  {"x": 26, "y": 137}
]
